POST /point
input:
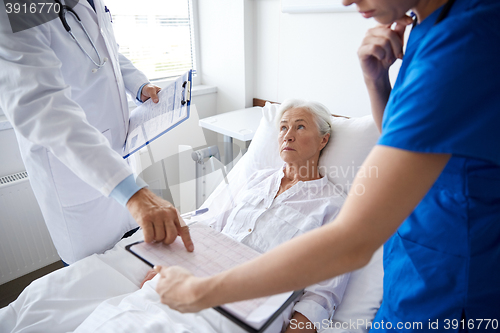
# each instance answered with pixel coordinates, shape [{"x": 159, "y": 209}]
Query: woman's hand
[
  {"x": 149, "y": 276},
  {"x": 180, "y": 290},
  {"x": 380, "y": 49}
]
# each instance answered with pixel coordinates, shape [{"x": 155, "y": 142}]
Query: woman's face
[
  {"x": 299, "y": 140},
  {"x": 384, "y": 11}
]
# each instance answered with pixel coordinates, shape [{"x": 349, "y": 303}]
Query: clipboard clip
[{"x": 186, "y": 92}]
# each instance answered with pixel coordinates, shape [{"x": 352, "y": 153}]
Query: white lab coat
[{"x": 71, "y": 125}]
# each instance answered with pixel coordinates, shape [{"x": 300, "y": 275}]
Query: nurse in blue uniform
[
  {"x": 436, "y": 200},
  {"x": 443, "y": 263}
]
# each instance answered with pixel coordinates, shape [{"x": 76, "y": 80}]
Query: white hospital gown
[
  {"x": 258, "y": 219},
  {"x": 262, "y": 222}
]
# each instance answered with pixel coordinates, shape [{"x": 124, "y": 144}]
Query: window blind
[{"x": 156, "y": 35}]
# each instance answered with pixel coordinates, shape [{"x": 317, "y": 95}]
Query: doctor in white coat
[{"x": 71, "y": 120}]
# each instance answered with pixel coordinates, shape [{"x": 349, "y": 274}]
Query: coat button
[{"x": 249, "y": 230}]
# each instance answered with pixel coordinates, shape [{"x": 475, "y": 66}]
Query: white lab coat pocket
[{"x": 71, "y": 190}]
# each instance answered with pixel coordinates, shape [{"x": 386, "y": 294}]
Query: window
[
  {"x": 156, "y": 35},
  {"x": 314, "y": 6}
]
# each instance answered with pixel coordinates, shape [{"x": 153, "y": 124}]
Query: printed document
[
  {"x": 149, "y": 120},
  {"x": 214, "y": 252}
]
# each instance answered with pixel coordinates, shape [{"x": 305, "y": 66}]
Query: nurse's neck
[{"x": 424, "y": 8}]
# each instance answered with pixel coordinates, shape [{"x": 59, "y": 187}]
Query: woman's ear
[{"x": 324, "y": 141}]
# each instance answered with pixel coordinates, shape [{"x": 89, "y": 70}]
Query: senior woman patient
[{"x": 275, "y": 206}]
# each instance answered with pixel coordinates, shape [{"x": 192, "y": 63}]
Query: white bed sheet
[
  {"x": 142, "y": 312},
  {"x": 101, "y": 294},
  {"x": 61, "y": 300}
]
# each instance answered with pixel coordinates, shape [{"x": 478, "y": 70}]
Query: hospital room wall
[
  {"x": 250, "y": 49},
  {"x": 225, "y": 32},
  {"x": 311, "y": 56}
]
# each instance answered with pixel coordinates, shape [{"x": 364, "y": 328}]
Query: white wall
[
  {"x": 250, "y": 49},
  {"x": 226, "y": 51},
  {"x": 311, "y": 56}
]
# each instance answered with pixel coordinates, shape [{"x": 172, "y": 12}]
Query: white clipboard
[{"x": 149, "y": 121}]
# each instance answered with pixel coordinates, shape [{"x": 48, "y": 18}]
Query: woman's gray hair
[{"x": 320, "y": 112}]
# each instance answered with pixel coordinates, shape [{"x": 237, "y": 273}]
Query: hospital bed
[{"x": 62, "y": 300}]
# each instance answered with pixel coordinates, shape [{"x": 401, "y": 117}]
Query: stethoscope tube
[{"x": 62, "y": 17}]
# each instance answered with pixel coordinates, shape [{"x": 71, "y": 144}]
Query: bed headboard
[{"x": 262, "y": 103}]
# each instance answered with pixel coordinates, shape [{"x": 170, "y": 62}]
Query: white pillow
[
  {"x": 351, "y": 141},
  {"x": 362, "y": 298},
  {"x": 263, "y": 150}
]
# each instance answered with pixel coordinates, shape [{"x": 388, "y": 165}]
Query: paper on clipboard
[
  {"x": 214, "y": 253},
  {"x": 149, "y": 121}
]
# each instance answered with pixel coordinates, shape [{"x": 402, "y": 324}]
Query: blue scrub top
[{"x": 443, "y": 263}]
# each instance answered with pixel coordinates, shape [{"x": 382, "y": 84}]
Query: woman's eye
[
  {"x": 300, "y": 126},
  {"x": 283, "y": 128}
]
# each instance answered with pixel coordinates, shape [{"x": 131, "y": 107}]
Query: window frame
[
  {"x": 165, "y": 82},
  {"x": 162, "y": 83}
]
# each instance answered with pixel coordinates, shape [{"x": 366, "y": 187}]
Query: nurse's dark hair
[{"x": 322, "y": 115}]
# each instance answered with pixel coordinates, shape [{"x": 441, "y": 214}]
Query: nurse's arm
[
  {"x": 378, "y": 52},
  {"x": 387, "y": 188}
]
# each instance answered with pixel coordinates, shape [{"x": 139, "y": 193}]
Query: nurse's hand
[
  {"x": 180, "y": 290},
  {"x": 150, "y": 91},
  {"x": 159, "y": 220},
  {"x": 380, "y": 49}
]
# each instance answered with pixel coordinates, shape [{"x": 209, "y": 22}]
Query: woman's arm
[
  {"x": 300, "y": 324},
  {"x": 389, "y": 186},
  {"x": 378, "y": 51}
]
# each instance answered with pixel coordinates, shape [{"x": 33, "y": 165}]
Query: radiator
[{"x": 25, "y": 243}]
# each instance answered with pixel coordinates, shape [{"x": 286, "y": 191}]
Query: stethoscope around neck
[{"x": 62, "y": 16}]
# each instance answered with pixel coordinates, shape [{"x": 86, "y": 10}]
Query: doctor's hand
[
  {"x": 157, "y": 217},
  {"x": 380, "y": 49},
  {"x": 150, "y": 91},
  {"x": 181, "y": 290}
]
